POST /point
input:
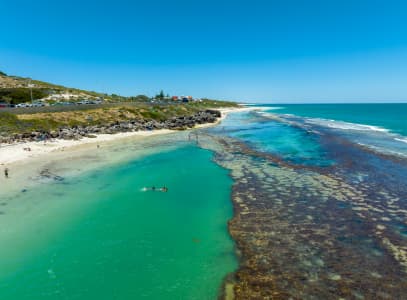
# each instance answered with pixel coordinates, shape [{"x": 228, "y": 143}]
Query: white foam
[
  {"x": 383, "y": 150},
  {"x": 345, "y": 125},
  {"x": 270, "y": 114},
  {"x": 404, "y": 140},
  {"x": 265, "y": 111}
]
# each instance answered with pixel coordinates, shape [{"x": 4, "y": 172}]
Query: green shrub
[
  {"x": 21, "y": 95},
  {"x": 9, "y": 123}
]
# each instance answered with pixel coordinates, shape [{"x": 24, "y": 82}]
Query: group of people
[{"x": 153, "y": 188}]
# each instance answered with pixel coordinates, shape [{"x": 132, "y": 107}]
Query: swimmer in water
[
  {"x": 149, "y": 188},
  {"x": 153, "y": 188},
  {"x": 6, "y": 172}
]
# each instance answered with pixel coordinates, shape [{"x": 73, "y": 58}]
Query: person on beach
[
  {"x": 164, "y": 189},
  {"x": 6, "y": 172}
]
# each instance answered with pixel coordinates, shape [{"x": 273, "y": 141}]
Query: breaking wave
[
  {"x": 345, "y": 125},
  {"x": 401, "y": 139}
]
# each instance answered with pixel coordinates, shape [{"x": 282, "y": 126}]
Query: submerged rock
[{"x": 293, "y": 239}]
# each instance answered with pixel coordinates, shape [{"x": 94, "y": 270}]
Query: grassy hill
[{"x": 15, "y": 89}]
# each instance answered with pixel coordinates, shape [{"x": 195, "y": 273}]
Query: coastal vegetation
[
  {"x": 10, "y": 124},
  {"x": 16, "y": 89},
  {"x": 21, "y": 95},
  {"x": 120, "y": 117},
  {"x": 135, "y": 112}
]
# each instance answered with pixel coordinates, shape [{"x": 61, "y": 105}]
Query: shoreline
[
  {"x": 15, "y": 153},
  {"x": 23, "y": 152}
]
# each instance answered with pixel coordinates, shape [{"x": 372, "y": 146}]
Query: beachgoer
[
  {"x": 6, "y": 172},
  {"x": 164, "y": 189},
  {"x": 153, "y": 188}
]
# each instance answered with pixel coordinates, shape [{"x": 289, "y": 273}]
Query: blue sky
[{"x": 257, "y": 51}]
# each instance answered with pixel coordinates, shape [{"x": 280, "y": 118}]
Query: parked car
[
  {"x": 22, "y": 105},
  {"x": 86, "y": 102}
]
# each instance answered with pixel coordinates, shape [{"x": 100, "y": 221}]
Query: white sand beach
[{"x": 23, "y": 152}]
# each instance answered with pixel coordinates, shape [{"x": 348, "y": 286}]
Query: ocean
[
  {"x": 378, "y": 116},
  {"x": 289, "y": 201},
  {"x": 379, "y": 126}
]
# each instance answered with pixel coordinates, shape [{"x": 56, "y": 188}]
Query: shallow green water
[{"x": 99, "y": 236}]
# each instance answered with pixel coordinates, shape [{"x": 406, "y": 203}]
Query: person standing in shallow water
[{"x": 6, "y": 172}]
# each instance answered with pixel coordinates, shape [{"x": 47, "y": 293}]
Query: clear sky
[{"x": 257, "y": 51}]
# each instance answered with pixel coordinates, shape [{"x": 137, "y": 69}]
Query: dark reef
[{"x": 307, "y": 232}]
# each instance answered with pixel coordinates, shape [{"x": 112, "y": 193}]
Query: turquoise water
[
  {"x": 391, "y": 116},
  {"x": 99, "y": 236},
  {"x": 287, "y": 142}
]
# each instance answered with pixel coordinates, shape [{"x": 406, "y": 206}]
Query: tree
[
  {"x": 160, "y": 95},
  {"x": 21, "y": 95}
]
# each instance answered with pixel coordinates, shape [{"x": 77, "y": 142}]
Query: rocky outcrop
[{"x": 78, "y": 132}]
